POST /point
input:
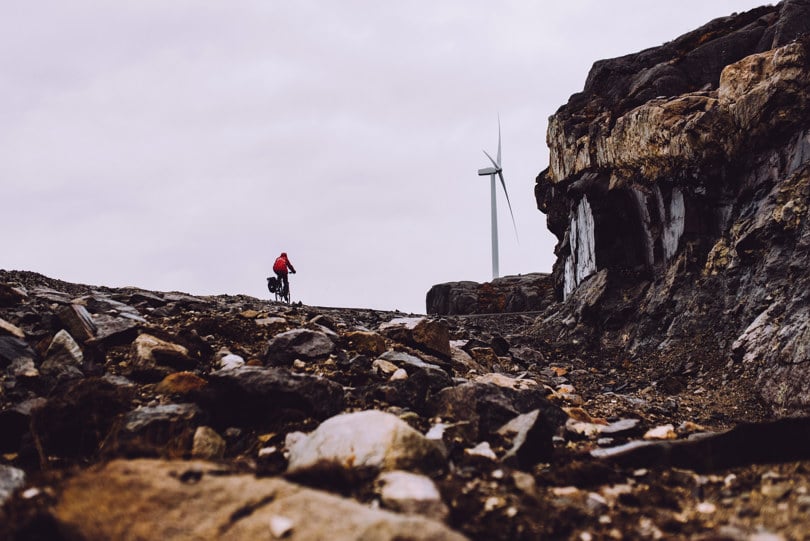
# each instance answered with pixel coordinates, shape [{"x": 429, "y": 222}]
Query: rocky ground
[{"x": 131, "y": 414}]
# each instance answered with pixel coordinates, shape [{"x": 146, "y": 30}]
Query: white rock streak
[
  {"x": 582, "y": 261},
  {"x": 673, "y": 229}
]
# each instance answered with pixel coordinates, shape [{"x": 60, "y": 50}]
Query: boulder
[
  {"x": 264, "y": 395},
  {"x": 677, "y": 188},
  {"x": 79, "y": 415},
  {"x": 165, "y": 431},
  {"x": 304, "y": 344},
  {"x": 360, "y": 444},
  {"x": 153, "y": 499},
  {"x": 521, "y": 293},
  {"x": 480, "y": 409},
  {"x": 430, "y": 335},
  {"x": 78, "y": 322}
]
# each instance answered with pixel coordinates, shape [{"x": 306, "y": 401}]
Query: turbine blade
[
  {"x": 499, "y": 141},
  {"x": 496, "y": 164},
  {"x": 503, "y": 184}
]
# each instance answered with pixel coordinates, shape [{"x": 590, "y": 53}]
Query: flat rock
[
  {"x": 11, "y": 329},
  {"x": 153, "y": 499}
]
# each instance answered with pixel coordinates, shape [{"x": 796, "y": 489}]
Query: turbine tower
[{"x": 496, "y": 169}]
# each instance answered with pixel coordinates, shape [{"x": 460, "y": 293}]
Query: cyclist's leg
[{"x": 284, "y": 288}]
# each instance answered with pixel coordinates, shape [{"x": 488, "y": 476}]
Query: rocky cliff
[
  {"x": 678, "y": 191},
  {"x": 630, "y": 408}
]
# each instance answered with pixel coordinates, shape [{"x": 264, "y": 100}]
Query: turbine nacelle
[{"x": 488, "y": 171}]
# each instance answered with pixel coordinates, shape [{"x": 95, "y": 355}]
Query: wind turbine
[{"x": 492, "y": 172}]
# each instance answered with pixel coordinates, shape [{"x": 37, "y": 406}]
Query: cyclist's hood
[{"x": 284, "y": 255}]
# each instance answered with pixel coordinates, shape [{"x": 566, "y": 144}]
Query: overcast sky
[{"x": 181, "y": 145}]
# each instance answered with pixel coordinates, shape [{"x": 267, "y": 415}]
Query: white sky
[{"x": 183, "y": 144}]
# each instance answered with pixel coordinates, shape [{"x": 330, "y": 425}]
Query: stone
[
  {"x": 485, "y": 357},
  {"x": 411, "y": 494},
  {"x": 366, "y": 342},
  {"x": 207, "y": 444},
  {"x": 15, "y": 351},
  {"x": 304, "y": 344},
  {"x": 229, "y": 361},
  {"x": 273, "y": 324},
  {"x": 481, "y": 409},
  {"x": 383, "y": 367},
  {"x": 258, "y": 395},
  {"x": 64, "y": 358},
  {"x": 622, "y": 427},
  {"x": 180, "y": 383},
  {"x": 532, "y": 434},
  {"x": 429, "y": 335},
  {"x": 77, "y": 417},
  {"x": 15, "y": 423},
  {"x": 78, "y": 321},
  {"x": 11, "y": 329},
  {"x": 280, "y": 526},
  {"x": 165, "y": 431},
  {"x": 11, "y": 479},
  {"x": 483, "y": 450},
  {"x": 361, "y": 444},
  {"x": 507, "y": 382},
  {"x": 522, "y": 293},
  {"x": 663, "y": 432},
  {"x": 150, "y": 353},
  {"x": 782, "y": 440},
  {"x": 462, "y": 362},
  {"x": 437, "y": 377},
  {"x": 10, "y": 295},
  {"x": 399, "y": 375},
  {"x": 182, "y": 500}
]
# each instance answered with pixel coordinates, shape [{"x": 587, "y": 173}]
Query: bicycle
[{"x": 282, "y": 294}]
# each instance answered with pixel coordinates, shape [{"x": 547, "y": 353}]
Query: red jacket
[{"x": 282, "y": 264}]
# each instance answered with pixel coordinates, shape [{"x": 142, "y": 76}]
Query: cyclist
[{"x": 280, "y": 268}]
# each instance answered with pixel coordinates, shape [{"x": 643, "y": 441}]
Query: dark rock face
[
  {"x": 255, "y": 395},
  {"x": 525, "y": 293},
  {"x": 677, "y": 188}
]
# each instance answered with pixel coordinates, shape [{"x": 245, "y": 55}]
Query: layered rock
[
  {"x": 523, "y": 293},
  {"x": 679, "y": 178}
]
